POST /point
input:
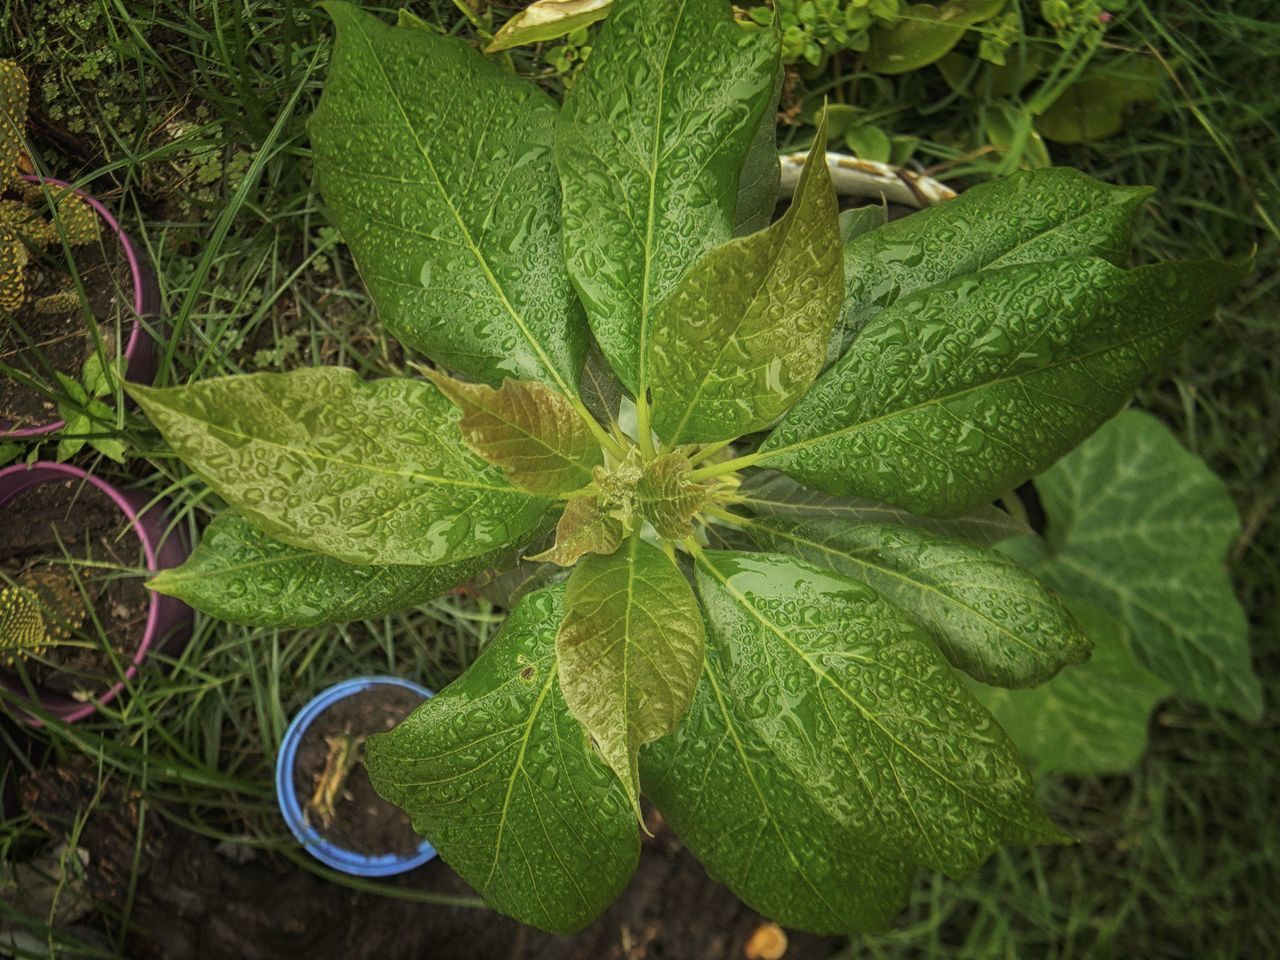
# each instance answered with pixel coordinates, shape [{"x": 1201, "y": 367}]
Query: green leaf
[
  {"x": 1094, "y": 107},
  {"x": 853, "y": 704},
  {"x": 630, "y": 652},
  {"x": 770, "y": 494},
  {"x": 761, "y": 178},
  {"x": 584, "y": 527},
  {"x": 1030, "y": 217},
  {"x": 1140, "y": 527},
  {"x": 437, "y": 167},
  {"x": 956, "y": 394},
  {"x": 1089, "y": 720},
  {"x": 925, "y": 34},
  {"x": 760, "y": 827},
  {"x": 240, "y": 574},
  {"x": 600, "y": 388},
  {"x": 367, "y": 472},
  {"x": 497, "y": 774},
  {"x": 667, "y": 497},
  {"x": 854, "y": 223},
  {"x": 988, "y": 616},
  {"x": 746, "y": 330},
  {"x": 533, "y": 433},
  {"x": 650, "y": 148},
  {"x": 547, "y": 20}
]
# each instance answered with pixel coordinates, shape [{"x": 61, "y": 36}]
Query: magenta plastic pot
[
  {"x": 169, "y": 621},
  {"x": 140, "y": 345}
]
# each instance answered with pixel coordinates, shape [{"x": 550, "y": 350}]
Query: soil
[
  {"x": 361, "y": 820},
  {"x": 71, "y": 526},
  {"x": 189, "y": 899},
  {"x": 36, "y": 343}
]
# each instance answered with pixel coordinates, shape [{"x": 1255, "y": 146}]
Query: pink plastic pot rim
[
  {"x": 150, "y": 550},
  {"x": 135, "y": 274}
]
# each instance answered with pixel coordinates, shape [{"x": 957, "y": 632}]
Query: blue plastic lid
[{"x": 327, "y": 852}]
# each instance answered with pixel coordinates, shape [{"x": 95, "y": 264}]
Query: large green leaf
[
  {"x": 437, "y": 166},
  {"x": 630, "y": 651},
  {"x": 761, "y": 177},
  {"x": 529, "y": 430},
  {"x": 988, "y": 616},
  {"x": 650, "y": 148},
  {"x": 771, "y": 494},
  {"x": 1089, "y": 720},
  {"x": 765, "y": 831},
  {"x": 497, "y": 774},
  {"x": 853, "y": 700},
  {"x": 1140, "y": 527},
  {"x": 1032, "y": 216},
  {"x": 368, "y": 472},
  {"x": 240, "y": 574},
  {"x": 957, "y": 393},
  {"x": 745, "y": 331}
]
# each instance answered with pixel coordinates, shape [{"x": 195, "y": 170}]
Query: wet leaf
[
  {"x": 745, "y": 332},
  {"x": 761, "y": 178},
  {"x": 584, "y": 527},
  {"x": 442, "y": 182},
  {"x": 547, "y": 20},
  {"x": 367, "y": 472},
  {"x": 1089, "y": 720},
  {"x": 238, "y": 573},
  {"x": 533, "y": 433},
  {"x": 957, "y": 393},
  {"x": 1139, "y": 527},
  {"x": 497, "y": 774},
  {"x": 650, "y": 147},
  {"x": 629, "y": 650},
  {"x": 988, "y": 616},
  {"x": 919, "y": 766},
  {"x": 667, "y": 497}
]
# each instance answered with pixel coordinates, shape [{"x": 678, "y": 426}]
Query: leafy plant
[
  {"x": 37, "y": 611},
  {"x": 23, "y": 228},
  {"x": 701, "y": 401}
]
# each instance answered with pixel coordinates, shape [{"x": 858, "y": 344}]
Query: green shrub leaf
[
  {"x": 437, "y": 167},
  {"x": 988, "y": 616},
  {"x": 854, "y": 702},
  {"x": 650, "y": 147},
  {"x": 630, "y": 651},
  {"x": 771, "y": 494},
  {"x": 367, "y": 472},
  {"x": 745, "y": 331},
  {"x": 761, "y": 177},
  {"x": 1140, "y": 527},
  {"x": 533, "y": 433},
  {"x": 1030, "y": 217},
  {"x": 240, "y": 574},
  {"x": 957, "y": 393},
  {"x": 1089, "y": 720},
  {"x": 497, "y": 774}
]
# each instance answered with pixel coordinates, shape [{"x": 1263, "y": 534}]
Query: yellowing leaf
[
  {"x": 547, "y": 20},
  {"x": 584, "y": 527}
]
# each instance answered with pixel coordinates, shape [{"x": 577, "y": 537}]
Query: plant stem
[
  {"x": 643, "y": 430},
  {"x": 728, "y": 466},
  {"x": 710, "y": 450}
]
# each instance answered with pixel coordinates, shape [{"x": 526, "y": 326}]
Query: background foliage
[{"x": 188, "y": 118}]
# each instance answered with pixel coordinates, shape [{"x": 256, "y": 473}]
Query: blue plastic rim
[{"x": 328, "y": 853}]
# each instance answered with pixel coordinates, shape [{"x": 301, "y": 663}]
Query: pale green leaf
[
  {"x": 925, "y": 33},
  {"x": 240, "y": 574},
  {"x": 958, "y": 393},
  {"x": 367, "y": 472},
  {"x": 852, "y": 701},
  {"x": 650, "y": 149},
  {"x": 547, "y": 20},
  {"x": 1089, "y": 720},
  {"x": 761, "y": 178},
  {"x": 745, "y": 331},
  {"x": 1140, "y": 527},
  {"x": 1030, "y": 217},
  {"x": 529, "y": 430},
  {"x": 630, "y": 652},
  {"x": 497, "y": 774},
  {"x": 771, "y": 494},
  {"x": 759, "y": 825},
  {"x": 584, "y": 527},
  {"x": 988, "y": 616},
  {"x": 667, "y": 497},
  {"x": 437, "y": 166}
]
